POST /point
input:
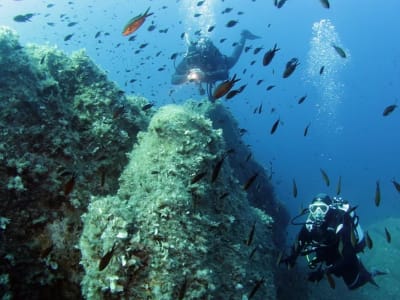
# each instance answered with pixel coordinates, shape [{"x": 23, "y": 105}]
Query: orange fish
[
  {"x": 135, "y": 23},
  {"x": 223, "y": 88}
]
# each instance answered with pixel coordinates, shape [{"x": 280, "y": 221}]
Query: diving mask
[{"x": 318, "y": 210}]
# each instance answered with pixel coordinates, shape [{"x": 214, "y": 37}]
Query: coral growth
[{"x": 174, "y": 236}]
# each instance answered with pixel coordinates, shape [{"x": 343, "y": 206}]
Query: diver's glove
[{"x": 317, "y": 275}]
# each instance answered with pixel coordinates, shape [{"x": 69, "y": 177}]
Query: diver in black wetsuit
[
  {"x": 203, "y": 62},
  {"x": 334, "y": 236}
]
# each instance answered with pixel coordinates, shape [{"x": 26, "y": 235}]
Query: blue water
[{"x": 348, "y": 135}]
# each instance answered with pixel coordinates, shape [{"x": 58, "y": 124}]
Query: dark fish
[
  {"x": 217, "y": 168},
  {"x": 290, "y": 67},
  {"x": 279, "y": 3},
  {"x": 325, "y": 3},
  {"x": 200, "y": 3},
  {"x": 339, "y": 186},
  {"x": 51, "y": 23},
  {"x": 198, "y": 177},
  {"x": 330, "y": 279},
  {"x": 135, "y": 23},
  {"x": 368, "y": 240},
  {"x": 23, "y": 18},
  {"x": 279, "y": 258},
  {"x": 211, "y": 28},
  {"x": 275, "y": 126},
  {"x": 250, "y": 181},
  {"x": 68, "y": 37},
  {"x": 174, "y": 55},
  {"x": 389, "y": 109},
  {"x": 301, "y": 100},
  {"x": 42, "y": 59},
  {"x": 97, "y": 34},
  {"x": 102, "y": 177},
  {"x": 223, "y": 88},
  {"x": 270, "y": 87},
  {"x": 269, "y": 55},
  {"x": 232, "y": 94},
  {"x": 396, "y": 185},
  {"x": 70, "y": 24},
  {"x": 69, "y": 185},
  {"x": 321, "y": 70},
  {"x": 248, "y": 156},
  {"x": 294, "y": 188},
  {"x": 105, "y": 260},
  {"x": 256, "y": 287},
  {"x": 227, "y": 10},
  {"x": 306, "y": 129},
  {"x": 196, "y": 15},
  {"x": 182, "y": 289},
  {"x": 387, "y": 235},
  {"x": 147, "y": 106},
  {"x": 231, "y": 23},
  {"x": 260, "y": 108},
  {"x": 258, "y": 49},
  {"x": 325, "y": 177},
  {"x": 339, "y": 51},
  {"x": 224, "y": 195},
  {"x": 377, "y": 194},
  {"x": 259, "y": 81},
  {"x": 252, "y": 252},
  {"x": 151, "y": 27},
  {"x": 251, "y": 234},
  {"x": 222, "y": 40}
]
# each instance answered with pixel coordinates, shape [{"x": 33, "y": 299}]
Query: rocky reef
[{"x": 81, "y": 219}]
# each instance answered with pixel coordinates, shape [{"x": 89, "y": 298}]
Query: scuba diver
[
  {"x": 204, "y": 63},
  {"x": 332, "y": 233}
]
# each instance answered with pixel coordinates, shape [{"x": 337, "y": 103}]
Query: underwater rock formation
[
  {"x": 64, "y": 133},
  {"x": 170, "y": 233}
]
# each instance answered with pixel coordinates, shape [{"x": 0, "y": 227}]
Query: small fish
[
  {"x": 217, "y": 168},
  {"x": 147, "y": 106},
  {"x": 260, "y": 108},
  {"x": 105, "y": 260},
  {"x": 211, "y": 28},
  {"x": 258, "y": 49},
  {"x": 321, "y": 70},
  {"x": 151, "y": 27},
  {"x": 253, "y": 252},
  {"x": 279, "y": 3},
  {"x": 330, "y": 279},
  {"x": 102, "y": 177},
  {"x": 294, "y": 188},
  {"x": 200, "y": 3},
  {"x": 97, "y": 34},
  {"x": 368, "y": 240},
  {"x": 396, "y": 185},
  {"x": 227, "y": 10},
  {"x": 325, "y": 3},
  {"x": 389, "y": 109},
  {"x": 250, "y": 181},
  {"x": 23, "y": 18},
  {"x": 69, "y": 185},
  {"x": 339, "y": 51},
  {"x": 388, "y": 236},
  {"x": 182, "y": 289},
  {"x": 70, "y": 24},
  {"x": 377, "y": 194},
  {"x": 224, "y": 195},
  {"x": 301, "y": 100},
  {"x": 269, "y": 55},
  {"x": 232, "y": 94},
  {"x": 196, "y": 15},
  {"x": 325, "y": 177},
  {"x": 291, "y": 65},
  {"x": 339, "y": 186},
  {"x": 135, "y": 23},
  {"x": 231, "y": 23},
  {"x": 251, "y": 234},
  {"x": 256, "y": 287},
  {"x": 270, "y": 87},
  {"x": 275, "y": 126},
  {"x": 198, "y": 177},
  {"x": 223, "y": 88},
  {"x": 306, "y": 129},
  {"x": 248, "y": 157},
  {"x": 68, "y": 37},
  {"x": 279, "y": 258}
]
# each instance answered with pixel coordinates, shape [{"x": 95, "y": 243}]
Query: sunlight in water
[
  {"x": 322, "y": 54},
  {"x": 205, "y": 19}
]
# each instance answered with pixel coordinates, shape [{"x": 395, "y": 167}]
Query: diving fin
[{"x": 248, "y": 35}]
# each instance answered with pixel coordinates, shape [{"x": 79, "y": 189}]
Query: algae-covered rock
[
  {"x": 64, "y": 132},
  {"x": 175, "y": 229}
]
